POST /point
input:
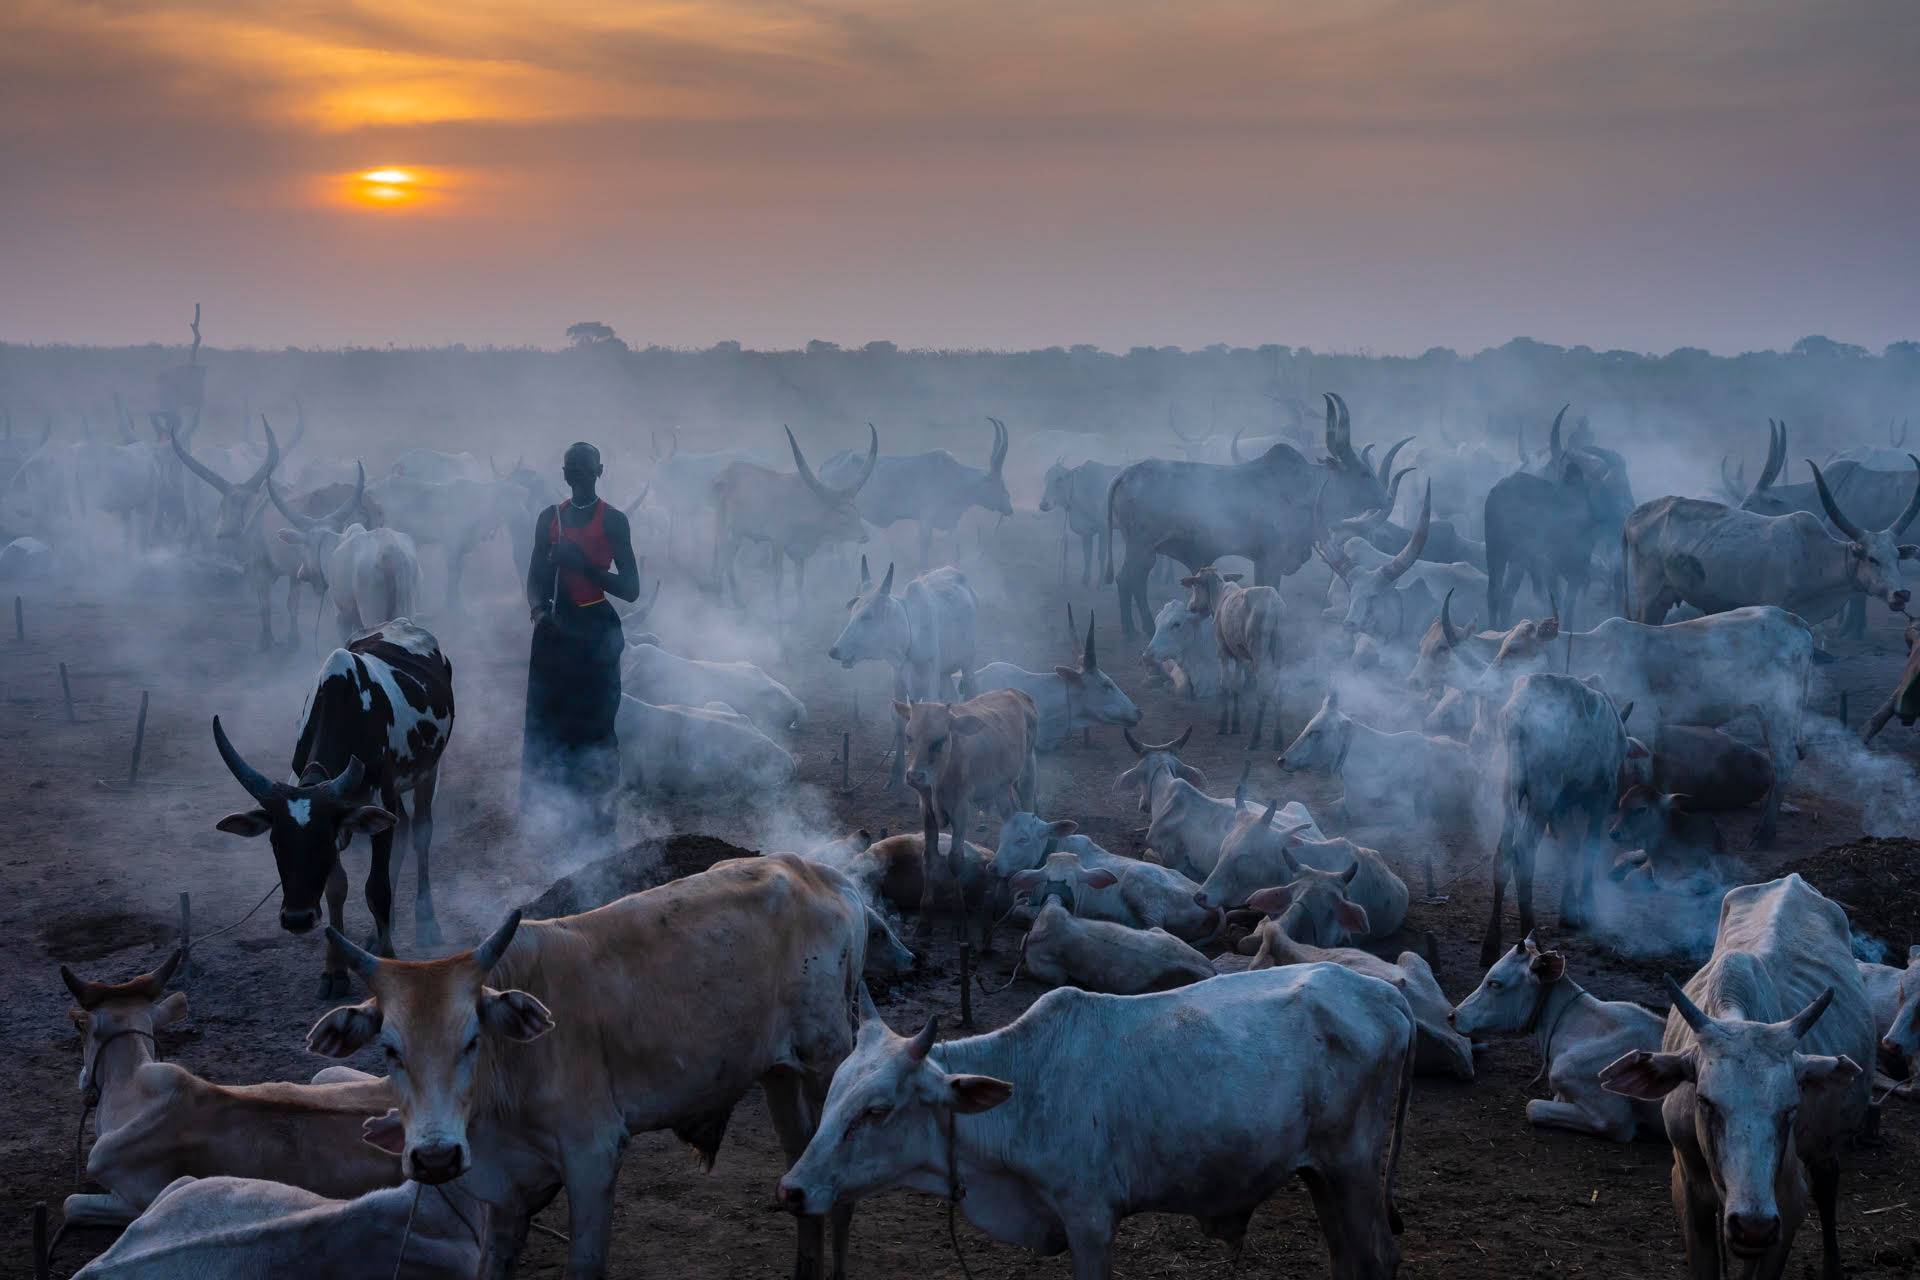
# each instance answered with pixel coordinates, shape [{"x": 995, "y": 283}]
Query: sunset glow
[{"x": 387, "y": 188}]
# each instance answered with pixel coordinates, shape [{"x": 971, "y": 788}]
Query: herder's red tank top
[{"x": 591, "y": 538}]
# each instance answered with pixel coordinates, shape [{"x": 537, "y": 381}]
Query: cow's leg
[
  {"x": 1502, "y": 867},
  {"x": 1090, "y": 1241},
  {"x": 1783, "y": 749},
  {"x": 263, "y": 591},
  {"x": 293, "y": 613},
  {"x": 795, "y": 1116},
  {"x": 1086, "y": 559},
  {"x": 96, "y": 1209},
  {"x": 1825, "y": 1176},
  {"x": 426, "y": 930},
  {"x": 1352, "y": 1210},
  {"x": 380, "y": 882},
  {"x": 590, "y": 1171},
  {"x": 930, "y": 835},
  {"x": 1132, "y": 587},
  {"x": 959, "y": 829},
  {"x": 1554, "y": 1114},
  {"x": 333, "y": 979},
  {"x": 456, "y": 562},
  {"x": 1698, "y": 1207},
  {"x": 1260, "y": 713}
]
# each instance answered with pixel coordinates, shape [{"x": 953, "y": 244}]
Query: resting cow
[
  {"x": 1063, "y": 950},
  {"x": 1265, "y": 852},
  {"x": 1148, "y": 895},
  {"x": 988, "y": 1113}
]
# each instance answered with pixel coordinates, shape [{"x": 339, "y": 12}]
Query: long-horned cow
[
  {"x": 795, "y": 514},
  {"x": 525, "y": 1065},
  {"x": 378, "y": 718},
  {"x": 933, "y": 489},
  {"x": 1547, "y": 527},
  {"x": 1068, "y": 699},
  {"x": 926, "y": 634}
]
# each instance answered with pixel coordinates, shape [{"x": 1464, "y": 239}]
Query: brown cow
[
  {"x": 962, "y": 756},
  {"x": 1246, "y": 631},
  {"x": 157, "y": 1122},
  {"x": 668, "y": 1006}
]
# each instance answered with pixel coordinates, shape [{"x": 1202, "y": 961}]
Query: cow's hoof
[
  {"x": 426, "y": 932},
  {"x": 334, "y": 986},
  {"x": 373, "y": 943}
]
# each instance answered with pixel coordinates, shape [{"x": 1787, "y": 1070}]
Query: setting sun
[{"x": 389, "y": 187}]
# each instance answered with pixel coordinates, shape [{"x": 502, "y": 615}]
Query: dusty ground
[{"x": 89, "y": 875}]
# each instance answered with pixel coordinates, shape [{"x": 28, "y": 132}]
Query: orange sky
[{"x": 1371, "y": 175}]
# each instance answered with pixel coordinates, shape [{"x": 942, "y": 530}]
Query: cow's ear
[
  {"x": 1230, "y": 577},
  {"x": 1823, "y": 1071},
  {"x": 1187, "y": 582},
  {"x": 1648, "y": 1076},
  {"x": 1678, "y": 802},
  {"x": 974, "y": 1094},
  {"x": 171, "y": 1009},
  {"x": 1637, "y": 750},
  {"x": 1191, "y": 775},
  {"x": 345, "y": 1031},
  {"x": 1070, "y": 674},
  {"x": 387, "y": 1132},
  {"x": 366, "y": 820},
  {"x": 1273, "y": 901},
  {"x": 1352, "y": 916},
  {"x": 289, "y": 537},
  {"x": 1099, "y": 878},
  {"x": 967, "y": 726},
  {"x": 1548, "y": 966},
  {"x": 1908, "y": 551},
  {"x": 1063, "y": 827},
  {"x": 514, "y": 1014},
  {"x": 252, "y": 822},
  {"x": 1021, "y": 881},
  {"x": 903, "y": 709}
]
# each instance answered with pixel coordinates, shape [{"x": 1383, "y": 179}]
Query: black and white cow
[{"x": 379, "y": 717}]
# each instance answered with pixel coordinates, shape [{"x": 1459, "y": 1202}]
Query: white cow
[
  {"x": 1527, "y": 992},
  {"x": 1147, "y": 896},
  {"x": 1759, "y": 1101},
  {"x": 1387, "y": 777},
  {"x": 373, "y": 575},
  {"x": 1062, "y": 949},
  {"x": 245, "y": 1228},
  {"x": 653, "y": 675},
  {"x": 666, "y": 749},
  {"x": 985, "y": 1113},
  {"x": 1895, "y": 997},
  {"x": 925, "y": 634},
  {"x": 1067, "y": 698},
  {"x": 1395, "y": 600},
  {"x": 455, "y": 515},
  {"x": 1260, "y": 853},
  {"x": 1183, "y": 648}
]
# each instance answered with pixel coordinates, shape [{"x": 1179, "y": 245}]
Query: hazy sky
[{"x": 1364, "y": 175}]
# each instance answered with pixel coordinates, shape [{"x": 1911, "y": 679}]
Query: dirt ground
[{"x": 90, "y": 874}]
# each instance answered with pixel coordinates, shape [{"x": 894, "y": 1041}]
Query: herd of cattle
[{"x": 1245, "y": 934}]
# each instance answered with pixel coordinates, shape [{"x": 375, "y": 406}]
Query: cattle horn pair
[
  {"x": 1848, "y": 527},
  {"x": 1140, "y": 748},
  {"x": 1175, "y": 428},
  {"x": 508, "y": 474},
  {"x": 1404, "y": 559},
  {"x": 1340, "y": 434},
  {"x": 1700, "y": 1020},
  {"x": 262, "y": 788},
  {"x": 151, "y": 985},
  {"x": 307, "y": 524},
  {"x": 998, "y": 458},
  {"x": 219, "y": 482},
  {"x": 1385, "y": 469},
  {"x": 834, "y": 497}
]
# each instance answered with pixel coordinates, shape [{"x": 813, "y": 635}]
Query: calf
[
  {"x": 894, "y": 870},
  {"x": 1068, "y": 699},
  {"x": 926, "y": 635},
  {"x": 977, "y": 754},
  {"x": 1562, "y": 748},
  {"x": 1440, "y": 1049},
  {"x": 1147, "y": 895},
  {"x": 157, "y": 1122},
  {"x": 1262, "y": 853},
  {"x": 518, "y": 1101},
  {"x": 1080, "y": 493},
  {"x": 1759, "y": 1101},
  {"x": 653, "y": 675},
  {"x": 983, "y": 1112},
  {"x": 1527, "y": 992},
  {"x": 1718, "y": 773},
  {"x": 1664, "y": 841},
  {"x": 1183, "y": 650},
  {"x": 379, "y": 716},
  {"x": 221, "y": 1228},
  {"x": 1246, "y": 633},
  {"x": 697, "y": 751},
  {"x": 1062, "y": 949},
  {"x": 1387, "y": 777}
]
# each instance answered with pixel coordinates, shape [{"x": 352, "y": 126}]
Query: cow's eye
[
  {"x": 877, "y": 1112},
  {"x": 1495, "y": 985}
]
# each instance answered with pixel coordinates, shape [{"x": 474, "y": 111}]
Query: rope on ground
[
  {"x": 885, "y": 756},
  {"x": 237, "y": 923}
]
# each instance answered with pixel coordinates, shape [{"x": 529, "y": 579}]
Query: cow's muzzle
[
  {"x": 1894, "y": 1063},
  {"x": 791, "y": 1196},
  {"x": 436, "y": 1163},
  {"x": 1897, "y": 600},
  {"x": 1751, "y": 1233},
  {"x": 299, "y": 919}
]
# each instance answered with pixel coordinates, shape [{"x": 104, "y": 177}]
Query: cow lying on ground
[
  {"x": 653, "y": 675},
  {"x": 157, "y": 1122},
  {"x": 893, "y": 870},
  {"x": 1895, "y": 997},
  {"x": 668, "y": 750},
  {"x": 983, "y": 1113},
  {"x": 1187, "y": 827},
  {"x": 244, "y": 1228},
  {"x": 1528, "y": 992},
  {"x": 519, "y": 1102},
  {"x": 1265, "y": 852},
  {"x": 1758, "y": 1100},
  {"x": 1666, "y": 845},
  {"x": 1148, "y": 895},
  {"x": 1063, "y": 950},
  {"x": 1441, "y": 1049}
]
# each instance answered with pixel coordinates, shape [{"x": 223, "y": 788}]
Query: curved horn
[
  {"x": 494, "y": 467},
  {"x": 364, "y": 963},
  {"x": 1333, "y": 426},
  {"x": 347, "y": 783},
  {"x": 1554, "y": 448},
  {"x": 918, "y": 1047},
  {"x": 488, "y": 953},
  {"x": 1776, "y": 455},
  {"x": 198, "y": 468},
  {"x": 1000, "y": 442},
  {"x": 1404, "y": 559},
  {"x": 1133, "y": 743},
  {"x": 359, "y": 493},
  {"x": 273, "y": 458},
  {"x": 1393, "y": 486},
  {"x": 866, "y": 472},
  {"x": 1901, "y": 441},
  {"x": 306, "y": 524},
  {"x": 1087, "y": 660},
  {"x": 812, "y": 482},
  {"x": 258, "y": 785},
  {"x": 1446, "y": 622},
  {"x": 634, "y": 506},
  {"x": 151, "y": 985},
  {"x": 1386, "y": 462},
  {"x": 1802, "y": 1022},
  {"x": 86, "y": 993},
  {"x": 1233, "y": 446},
  {"x": 1273, "y": 807},
  {"x": 1366, "y": 459},
  {"x": 1834, "y": 513},
  {"x": 1689, "y": 1012},
  {"x": 1899, "y": 526},
  {"x": 886, "y": 583}
]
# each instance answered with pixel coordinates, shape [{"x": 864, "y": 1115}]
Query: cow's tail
[
  {"x": 1106, "y": 550},
  {"x": 1403, "y": 1096}
]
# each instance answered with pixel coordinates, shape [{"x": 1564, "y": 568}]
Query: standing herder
[{"x": 573, "y": 672}]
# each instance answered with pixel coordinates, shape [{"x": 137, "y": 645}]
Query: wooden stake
[
  {"x": 42, "y": 1268},
  {"x": 846, "y": 753},
  {"x": 139, "y": 738},
  {"x": 1843, "y": 708},
  {"x": 966, "y": 986},
  {"x": 66, "y": 692},
  {"x": 186, "y": 935},
  {"x": 19, "y": 620}
]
